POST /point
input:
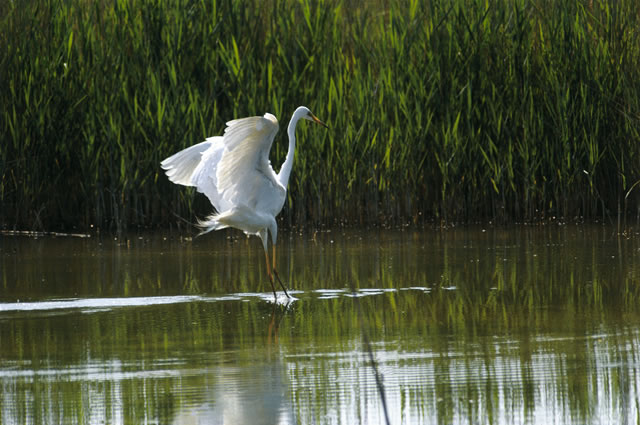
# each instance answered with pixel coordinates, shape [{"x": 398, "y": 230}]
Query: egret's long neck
[{"x": 285, "y": 171}]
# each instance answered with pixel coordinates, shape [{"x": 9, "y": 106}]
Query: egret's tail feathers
[
  {"x": 180, "y": 166},
  {"x": 211, "y": 223},
  {"x": 242, "y": 218}
]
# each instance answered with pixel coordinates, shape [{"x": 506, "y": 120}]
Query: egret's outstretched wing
[
  {"x": 197, "y": 166},
  {"x": 205, "y": 175},
  {"x": 244, "y": 175},
  {"x": 180, "y": 166}
]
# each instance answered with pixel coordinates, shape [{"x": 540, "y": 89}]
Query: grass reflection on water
[{"x": 504, "y": 326}]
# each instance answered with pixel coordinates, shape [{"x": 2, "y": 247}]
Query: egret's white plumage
[{"x": 234, "y": 172}]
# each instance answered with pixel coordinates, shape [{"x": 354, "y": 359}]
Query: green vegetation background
[{"x": 446, "y": 110}]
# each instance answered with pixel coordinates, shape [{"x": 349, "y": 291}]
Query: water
[{"x": 503, "y": 326}]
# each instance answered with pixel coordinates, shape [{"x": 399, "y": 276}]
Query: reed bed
[{"x": 441, "y": 110}]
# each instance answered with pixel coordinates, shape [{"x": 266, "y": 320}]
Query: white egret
[{"x": 234, "y": 172}]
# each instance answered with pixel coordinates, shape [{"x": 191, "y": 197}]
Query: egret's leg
[
  {"x": 276, "y": 272},
  {"x": 273, "y": 288}
]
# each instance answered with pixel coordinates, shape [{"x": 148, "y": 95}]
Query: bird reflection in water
[{"x": 257, "y": 393}]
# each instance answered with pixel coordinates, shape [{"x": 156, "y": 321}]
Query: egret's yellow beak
[{"x": 317, "y": 121}]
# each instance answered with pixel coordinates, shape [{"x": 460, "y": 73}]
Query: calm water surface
[{"x": 499, "y": 325}]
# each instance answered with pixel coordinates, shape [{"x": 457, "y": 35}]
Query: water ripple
[
  {"x": 93, "y": 305},
  {"x": 96, "y": 303}
]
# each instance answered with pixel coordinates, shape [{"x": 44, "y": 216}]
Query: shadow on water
[{"x": 520, "y": 325}]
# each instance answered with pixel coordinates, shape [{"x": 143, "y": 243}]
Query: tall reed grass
[{"x": 445, "y": 110}]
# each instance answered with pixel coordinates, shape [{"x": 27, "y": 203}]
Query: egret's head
[{"x": 308, "y": 115}]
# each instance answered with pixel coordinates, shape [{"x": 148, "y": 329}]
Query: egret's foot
[
  {"x": 281, "y": 284},
  {"x": 273, "y": 288}
]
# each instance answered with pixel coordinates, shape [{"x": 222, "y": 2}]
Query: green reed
[{"x": 447, "y": 110}]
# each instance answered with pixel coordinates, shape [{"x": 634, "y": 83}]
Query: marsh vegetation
[{"x": 443, "y": 110}]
